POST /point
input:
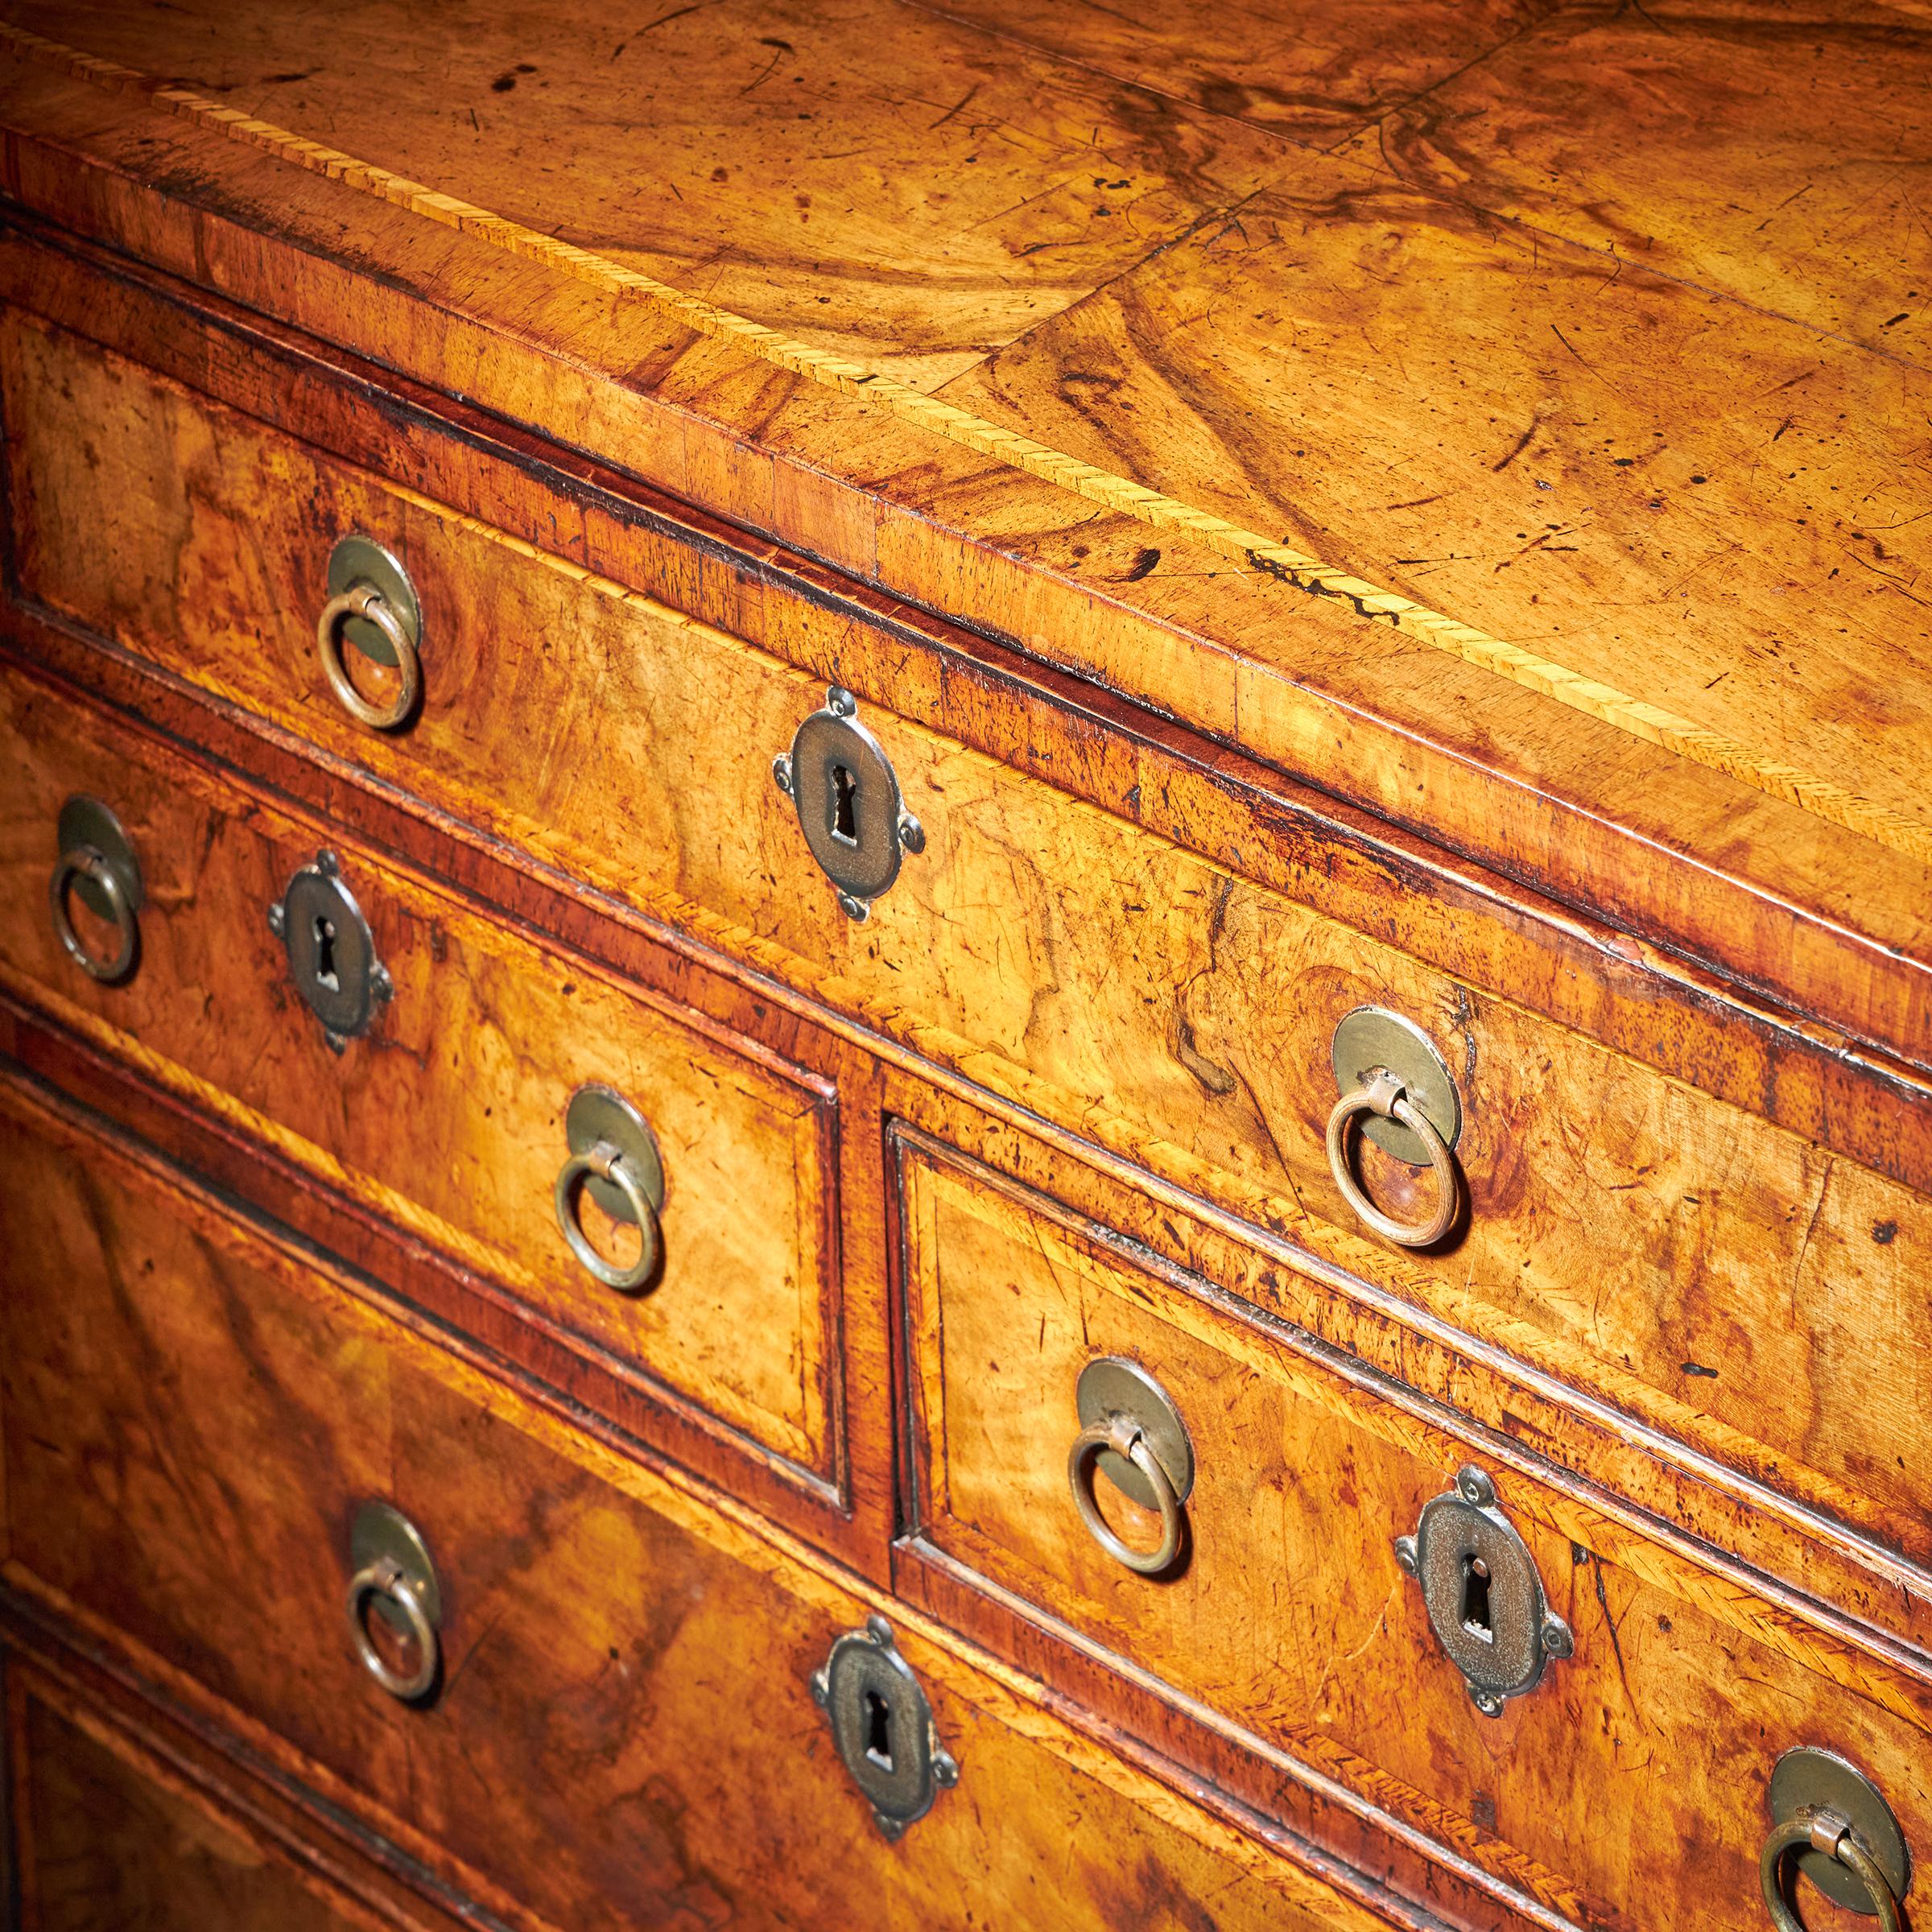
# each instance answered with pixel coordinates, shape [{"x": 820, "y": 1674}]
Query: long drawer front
[
  {"x": 618, "y": 1725},
  {"x": 1625, "y": 1232}
]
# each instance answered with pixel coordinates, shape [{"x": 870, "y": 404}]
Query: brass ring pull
[
  {"x": 1825, "y": 1831},
  {"x": 608, "y": 1163},
  {"x": 88, "y": 862},
  {"x": 1126, "y": 1437},
  {"x": 366, "y": 602},
  {"x": 385, "y": 1578},
  {"x": 1385, "y": 1094}
]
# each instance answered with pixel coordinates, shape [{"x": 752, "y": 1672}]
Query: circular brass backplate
[
  {"x": 86, "y": 821},
  {"x": 1809, "y": 1779},
  {"x": 601, "y": 1114},
  {"x": 362, "y": 561},
  {"x": 382, "y": 1530},
  {"x": 1372, "y": 1036},
  {"x": 1113, "y": 1385}
]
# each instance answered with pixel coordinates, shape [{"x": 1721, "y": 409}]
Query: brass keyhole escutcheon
[
  {"x": 1483, "y": 1593},
  {"x": 882, "y": 1726},
  {"x": 330, "y": 952},
  {"x": 847, "y": 796}
]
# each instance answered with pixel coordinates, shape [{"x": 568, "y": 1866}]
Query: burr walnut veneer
[{"x": 965, "y": 966}]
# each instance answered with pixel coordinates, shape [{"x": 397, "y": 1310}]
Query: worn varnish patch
[
  {"x": 1779, "y": 155},
  {"x": 1312, "y": 73}
]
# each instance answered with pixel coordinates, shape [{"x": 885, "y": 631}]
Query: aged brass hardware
[
  {"x": 614, "y": 1155},
  {"x": 1483, "y": 1594},
  {"x": 882, "y": 1726},
  {"x": 1130, "y": 1432},
  {"x": 98, "y": 866},
  {"x": 847, "y": 796},
  {"x": 372, "y": 604},
  {"x": 332, "y": 953},
  {"x": 1844, "y": 1834},
  {"x": 393, "y": 1578},
  {"x": 1397, "y": 1091}
]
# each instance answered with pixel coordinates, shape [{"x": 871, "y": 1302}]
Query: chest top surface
[{"x": 1512, "y": 418}]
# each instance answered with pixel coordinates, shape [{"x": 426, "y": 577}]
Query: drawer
[
  {"x": 1721, "y": 1279},
  {"x": 1625, "y": 1787},
  {"x": 622, "y": 1730},
  {"x": 449, "y": 1114},
  {"x": 111, "y": 1840}
]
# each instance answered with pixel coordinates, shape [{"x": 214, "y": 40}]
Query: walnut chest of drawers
[{"x": 965, "y": 968}]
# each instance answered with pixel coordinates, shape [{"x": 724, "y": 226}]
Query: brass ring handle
[
  {"x": 385, "y": 1577},
  {"x": 1124, "y": 1436},
  {"x": 86, "y": 861},
  {"x": 365, "y": 601},
  {"x": 1823, "y": 1831},
  {"x": 1385, "y": 1095},
  {"x": 607, "y": 1163}
]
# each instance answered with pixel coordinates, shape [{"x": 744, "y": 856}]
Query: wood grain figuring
[
  {"x": 1626, "y": 1233},
  {"x": 756, "y": 154},
  {"x": 109, "y": 1846},
  {"x": 1596, "y": 482},
  {"x": 1545, "y": 793},
  {"x": 1289, "y": 1614},
  {"x": 1322, "y": 507},
  {"x": 247, "y": 1405},
  {"x": 176, "y": 1785},
  {"x": 1519, "y": 1426},
  {"x": 1734, "y": 172},
  {"x": 448, "y": 1115},
  {"x": 1877, "y": 817},
  {"x": 1308, "y": 73}
]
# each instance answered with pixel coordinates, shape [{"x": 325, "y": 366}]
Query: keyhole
[
  {"x": 325, "y": 953},
  {"x": 878, "y": 1731},
  {"x": 1476, "y": 1599},
  {"x": 844, "y": 806}
]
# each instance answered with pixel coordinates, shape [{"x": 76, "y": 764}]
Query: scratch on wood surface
[{"x": 1516, "y": 448}]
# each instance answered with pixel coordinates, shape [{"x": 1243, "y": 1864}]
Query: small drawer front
[
  {"x": 448, "y": 1101},
  {"x": 1630, "y": 1236},
  {"x": 621, "y": 1728},
  {"x": 1503, "y": 1700}
]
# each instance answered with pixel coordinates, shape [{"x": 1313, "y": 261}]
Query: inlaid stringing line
[{"x": 1651, "y": 723}]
